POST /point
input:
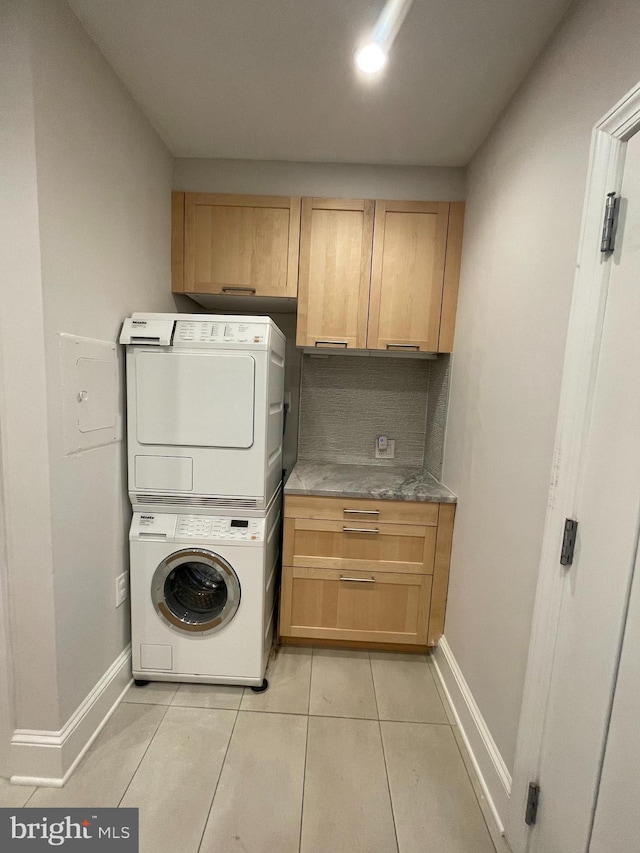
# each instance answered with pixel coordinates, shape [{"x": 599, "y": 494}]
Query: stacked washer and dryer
[{"x": 204, "y": 426}]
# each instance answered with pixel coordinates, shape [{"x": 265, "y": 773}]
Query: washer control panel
[
  {"x": 169, "y": 527},
  {"x": 219, "y": 332},
  {"x": 220, "y": 527}
]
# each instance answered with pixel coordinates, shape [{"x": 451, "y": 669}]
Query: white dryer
[
  {"x": 204, "y": 411},
  {"x": 202, "y": 596}
]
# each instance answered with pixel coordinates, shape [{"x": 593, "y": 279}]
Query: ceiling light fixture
[{"x": 372, "y": 56}]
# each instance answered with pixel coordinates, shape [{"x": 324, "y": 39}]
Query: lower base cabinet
[
  {"x": 365, "y": 581},
  {"x": 357, "y": 606}
]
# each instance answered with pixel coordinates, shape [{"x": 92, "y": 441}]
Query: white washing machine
[
  {"x": 204, "y": 411},
  {"x": 202, "y": 596}
]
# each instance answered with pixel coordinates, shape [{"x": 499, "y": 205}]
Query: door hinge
[
  {"x": 568, "y": 541},
  {"x": 611, "y": 208},
  {"x": 533, "y": 798}
]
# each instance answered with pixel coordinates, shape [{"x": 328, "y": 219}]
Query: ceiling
[{"x": 275, "y": 80}]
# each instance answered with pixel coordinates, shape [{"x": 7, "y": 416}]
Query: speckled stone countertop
[{"x": 329, "y": 479}]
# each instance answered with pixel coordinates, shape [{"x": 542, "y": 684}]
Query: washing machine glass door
[{"x": 196, "y": 591}]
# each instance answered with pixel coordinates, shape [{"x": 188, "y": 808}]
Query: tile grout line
[
  {"x": 310, "y": 680},
  {"x": 209, "y": 707},
  {"x": 304, "y": 781},
  {"x": 151, "y": 740},
  {"x": 28, "y": 798},
  {"x": 384, "y": 756},
  {"x": 309, "y": 714},
  {"x": 173, "y": 698},
  {"x": 215, "y": 790},
  {"x": 306, "y": 748}
]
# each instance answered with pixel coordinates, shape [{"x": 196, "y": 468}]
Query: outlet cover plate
[
  {"x": 122, "y": 588},
  {"x": 389, "y": 453}
]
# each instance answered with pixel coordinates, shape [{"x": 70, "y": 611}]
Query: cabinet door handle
[
  {"x": 403, "y": 346},
  {"x": 360, "y": 530},
  {"x": 331, "y": 344},
  {"x": 361, "y": 511},
  {"x": 358, "y": 580},
  {"x": 227, "y": 288}
]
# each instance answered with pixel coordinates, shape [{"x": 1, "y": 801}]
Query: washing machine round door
[{"x": 195, "y": 591}]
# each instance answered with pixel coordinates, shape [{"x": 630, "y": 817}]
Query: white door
[
  {"x": 615, "y": 826},
  {"x": 596, "y": 592}
]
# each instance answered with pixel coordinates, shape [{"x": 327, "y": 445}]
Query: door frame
[{"x": 591, "y": 282}]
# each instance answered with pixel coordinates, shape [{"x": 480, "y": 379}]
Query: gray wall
[
  {"x": 94, "y": 181},
  {"x": 343, "y": 180},
  {"x": 525, "y": 194},
  {"x": 23, "y": 399}
]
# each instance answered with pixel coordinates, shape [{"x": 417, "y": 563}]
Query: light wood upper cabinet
[
  {"x": 407, "y": 276},
  {"x": 379, "y": 275},
  {"x": 236, "y": 244},
  {"x": 451, "y": 277},
  {"x": 335, "y": 262}
]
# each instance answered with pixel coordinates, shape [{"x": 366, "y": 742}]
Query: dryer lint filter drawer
[{"x": 164, "y": 473}]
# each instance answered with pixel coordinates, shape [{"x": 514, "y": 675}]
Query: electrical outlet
[
  {"x": 388, "y": 452},
  {"x": 122, "y": 588}
]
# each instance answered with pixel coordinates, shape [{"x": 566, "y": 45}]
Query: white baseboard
[
  {"x": 47, "y": 758},
  {"x": 493, "y": 774}
]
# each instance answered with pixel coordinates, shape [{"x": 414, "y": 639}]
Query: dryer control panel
[
  {"x": 220, "y": 332},
  {"x": 200, "y": 331},
  {"x": 169, "y": 527}
]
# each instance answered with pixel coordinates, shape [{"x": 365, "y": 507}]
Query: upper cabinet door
[
  {"x": 241, "y": 244},
  {"x": 335, "y": 266},
  {"x": 409, "y": 252}
]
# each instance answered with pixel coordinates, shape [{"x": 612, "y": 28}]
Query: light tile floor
[{"x": 347, "y": 752}]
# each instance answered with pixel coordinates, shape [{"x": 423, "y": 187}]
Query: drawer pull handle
[
  {"x": 358, "y": 580},
  {"x": 362, "y": 511},
  {"x": 360, "y": 530},
  {"x": 331, "y": 344},
  {"x": 227, "y": 288},
  {"x": 404, "y": 346}
]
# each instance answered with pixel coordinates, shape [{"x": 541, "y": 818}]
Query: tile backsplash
[
  {"x": 437, "y": 414},
  {"x": 346, "y": 402}
]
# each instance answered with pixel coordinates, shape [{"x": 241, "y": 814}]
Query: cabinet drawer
[
  {"x": 355, "y": 605},
  {"x": 359, "y": 545},
  {"x": 361, "y": 510}
]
